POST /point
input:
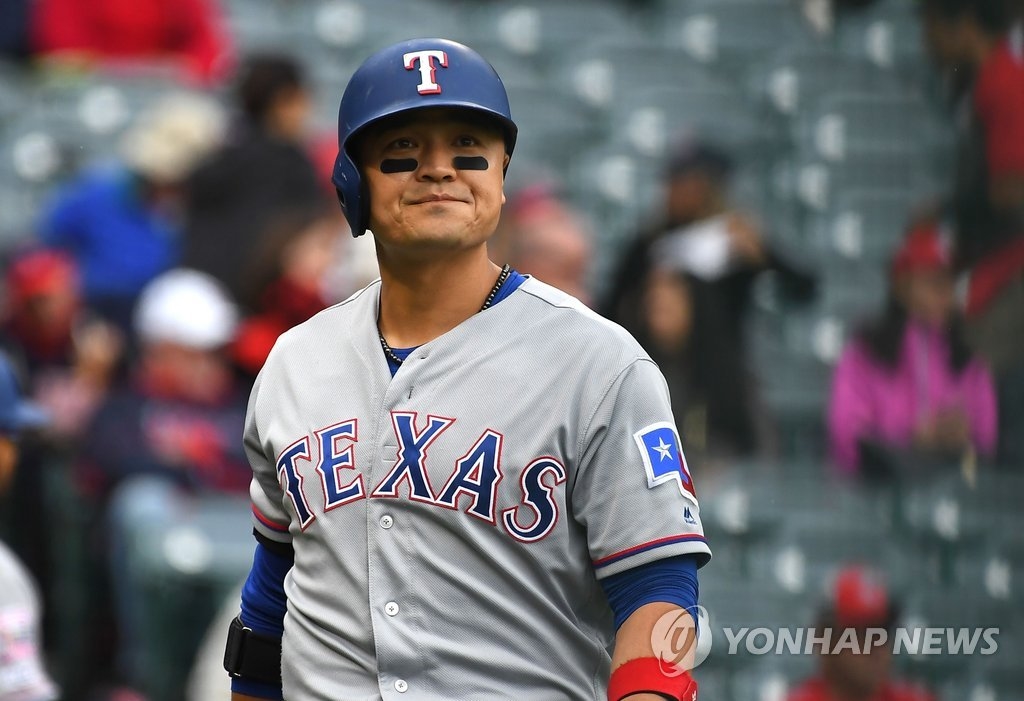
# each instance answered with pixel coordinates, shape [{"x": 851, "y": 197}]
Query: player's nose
[{"x": 435, "y": 162}]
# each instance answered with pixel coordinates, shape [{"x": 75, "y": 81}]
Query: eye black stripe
[
  {"x": 398, "y": 165},
  {"x": 470, "y": 163}
]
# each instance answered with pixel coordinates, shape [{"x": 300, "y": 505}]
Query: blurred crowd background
[{"x": 810, "y": 212}]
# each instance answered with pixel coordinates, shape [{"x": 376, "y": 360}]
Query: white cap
[
  {"x": 172, "y": 135},
  {"x": 187, "y": 308}
]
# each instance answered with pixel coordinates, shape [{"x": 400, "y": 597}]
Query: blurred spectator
[
  {"x": 286, "y": 284},
  {"x": 699, "y": 232},
  {"x": 908, "y": 385},
  {"x": 41, "y": 300},
  {"x": 859, "y": 601},
  {"x": 722, "y": 252},
  {"x": 121, "y": 222},
  {"x": 710, "y": 390},
  {"x": 186, "y": 33},
  {"x": 262, "y": 173},
  {"x": 176, "y": 423},
  {"x": 70, "y": 357},
  {"x": 14, "y": 30},
  {"x": 972, "y": 41},
  {"x": 22, "y": 673},
  {"x": 181, "y": 414},
  {"x": 542, "y": 236}
]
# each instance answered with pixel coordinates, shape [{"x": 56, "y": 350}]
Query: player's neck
[{"x": 424, "y": 300}]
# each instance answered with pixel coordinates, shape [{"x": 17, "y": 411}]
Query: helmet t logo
[{"x": 427, "y": 68}]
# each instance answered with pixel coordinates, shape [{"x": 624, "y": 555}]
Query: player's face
[{"x": 434, "y": 179}]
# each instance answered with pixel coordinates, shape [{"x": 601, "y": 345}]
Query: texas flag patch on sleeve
[{"x": 662, "y": 454}]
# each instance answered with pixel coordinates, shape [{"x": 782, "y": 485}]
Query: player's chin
[{"x": 430, "y": 243}]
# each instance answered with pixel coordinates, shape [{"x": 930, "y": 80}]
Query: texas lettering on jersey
[{"x": 471, "y": 486}]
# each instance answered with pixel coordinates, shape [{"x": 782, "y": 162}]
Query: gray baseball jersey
[
  {"x": 22, "y": 676},
  {"x": 451, "y": 523}
]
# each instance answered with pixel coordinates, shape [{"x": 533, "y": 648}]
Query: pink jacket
[{"x": 871, "y": 400}]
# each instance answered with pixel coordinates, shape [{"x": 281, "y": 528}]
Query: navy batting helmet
[{"x": 412, "y": 75}]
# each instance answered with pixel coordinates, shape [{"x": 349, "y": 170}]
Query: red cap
[
  {"x": 39, "y": 272},
  {"x": 860, "y": 598},
  {"x": 926, "y": 247}
]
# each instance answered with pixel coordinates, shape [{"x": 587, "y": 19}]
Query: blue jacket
[{"x": 119, "y": 241}]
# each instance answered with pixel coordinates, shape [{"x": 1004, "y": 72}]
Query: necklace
[{"x": 502, "y": 277}]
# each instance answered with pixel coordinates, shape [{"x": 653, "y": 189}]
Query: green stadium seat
[
  {"x": 816, "y": 184},
  {"x": 737, "y": 605},
  {"x": 863, "y": 225},
  {"x": 889, "y": 35},
  {"x": 732, "y": 33},
  {"x": 846, "y": 125},
  {"x": 793, "y": 79},
  {"x": 618, "y": 188},
  {"x": 656, "y": 115},
  {"x": 181, "y": 556},
  {"x": 541, "y": 29},
  {"x": 610, "y": 69}
]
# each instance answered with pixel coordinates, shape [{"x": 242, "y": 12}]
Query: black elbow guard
[{"x": 251, "y": 655}]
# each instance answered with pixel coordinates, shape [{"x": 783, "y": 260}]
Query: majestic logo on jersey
[
  {"x": 663, "y": 458},
  {"x": 425, "y": 62},
  {"x": 472, "y": 486}
]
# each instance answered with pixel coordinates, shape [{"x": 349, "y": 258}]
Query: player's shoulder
[
  {"x": 562, "y": 316},
  {"x": 327, "y": 323}
]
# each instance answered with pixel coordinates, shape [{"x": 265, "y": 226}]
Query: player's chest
[{"x": 447, "y": 450}]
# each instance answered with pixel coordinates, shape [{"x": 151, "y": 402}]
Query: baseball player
[{"x": 466, "y": 484}]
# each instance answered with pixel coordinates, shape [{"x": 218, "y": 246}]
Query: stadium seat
[
  {"x": 816, "y": 184},
  {"x": 948, "y": 519},
  {"x": 541, "y": 29},
  {"x": 14, "y": 92},
  {"x": 792, "y": 79},
  {"x": 889, "y": 35},
  {"x": 961, "y": 613},
  {"x": 738, "y": 605},
  {"x": 355, "y": 28},
  {"x": 181, "y": 557},
  {"x": 654, "y": 116},
  {"x": 618, "y": 187},
  {"x": 552, "y": 128},
  {"x": 863, "y": 225},
  {"x": 732, "y": 34},
  {"x": 839, "y": 126},
  {"x": 608, "y": 70}
]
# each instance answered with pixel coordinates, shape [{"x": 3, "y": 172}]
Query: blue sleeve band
[
  {"x": 263, "y": 607},
  {"x": 672, "y": 580},
  {"x": 263, "y": 599},
  {"x": 260, "y": 691}
]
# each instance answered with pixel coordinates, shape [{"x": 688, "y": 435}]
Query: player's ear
[{"x": 504, "y": 163}]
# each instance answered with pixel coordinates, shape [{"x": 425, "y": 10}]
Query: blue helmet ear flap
[
  {"x": 415, "y": 74},
  {"x": 349, "y": 186}
]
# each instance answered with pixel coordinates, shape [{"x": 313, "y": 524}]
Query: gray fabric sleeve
[
  {"x": 634, "y": 493},
  {"x": 268, "y": 514}
]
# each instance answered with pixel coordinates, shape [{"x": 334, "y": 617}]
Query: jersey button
[
  {"x": 401, "y": 686},
  {"x": 386, "y": 522},
  {"x": 391, "y": 608}
]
